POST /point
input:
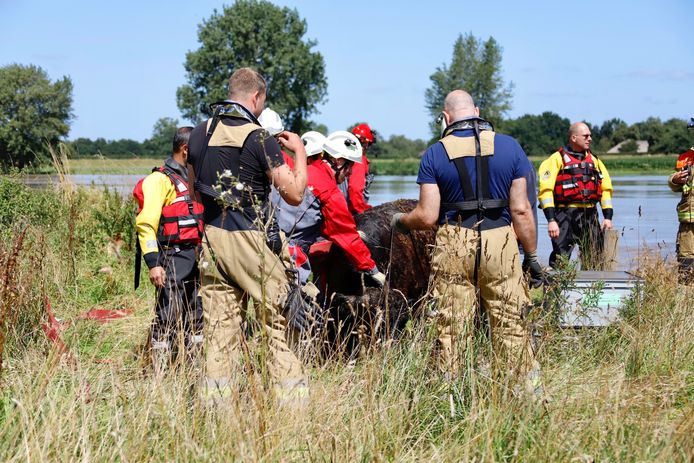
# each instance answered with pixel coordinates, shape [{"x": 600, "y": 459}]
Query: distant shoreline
[{"x": 617, "y": 164}]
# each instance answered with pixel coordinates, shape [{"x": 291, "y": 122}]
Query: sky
[{"x": 591, "y": 60}]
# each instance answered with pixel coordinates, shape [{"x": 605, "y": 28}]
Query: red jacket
[
  {"x": 338, "y": 224},
  {"x": 355, "y": 186}
]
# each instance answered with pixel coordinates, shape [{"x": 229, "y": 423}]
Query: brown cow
[{"x": 361, "y": 315}]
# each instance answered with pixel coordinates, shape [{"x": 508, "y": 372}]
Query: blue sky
[{"x": 592, "y": 60}]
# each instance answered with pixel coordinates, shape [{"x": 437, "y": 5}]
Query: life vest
[
  {"x": 181, "y": 221},
  {"x": 578, "y": 181}
]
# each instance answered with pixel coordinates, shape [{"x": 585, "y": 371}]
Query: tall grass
[{"x": 624, "y": 393}]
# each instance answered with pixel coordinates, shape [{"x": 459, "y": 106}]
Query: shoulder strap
[
  {"x": 195, "y": 184},
  {"x": 476, "y": 198}
]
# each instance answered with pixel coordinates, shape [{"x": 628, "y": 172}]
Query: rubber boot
[{"x": 686, "y": 271}]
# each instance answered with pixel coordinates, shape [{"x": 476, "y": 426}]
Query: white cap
[
  {"x": 342, "y": 144},
  {"x": 313, "y": 141},
  {"x": 271, "y": 121}
]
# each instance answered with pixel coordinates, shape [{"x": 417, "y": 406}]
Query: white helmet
[
  {"x": 342, "y": 144},
  {"x": 314, "y": 142},
  {"x": 271, "y": 121}
]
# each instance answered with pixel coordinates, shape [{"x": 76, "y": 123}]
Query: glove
[
  {"x": 377, "y": 277},
  {"x": 531, "y": 266},
  {"x": 297, "y": 309},
  {"x": 397, "y": 225}
]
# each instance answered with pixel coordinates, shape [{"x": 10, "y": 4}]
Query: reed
[{"x": 624, "y": 393}]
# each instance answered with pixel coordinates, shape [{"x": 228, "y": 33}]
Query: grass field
[
  {"x": 624, "y": 393},
  {"x": 616, "y": 164}
]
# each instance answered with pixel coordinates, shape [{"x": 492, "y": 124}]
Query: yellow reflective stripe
[
  {"x": 216, "y": 388},
  {"x": 685, "y": 216},
  {"x": 296, "y": 392},
  {"x": 575, "y": 205},
  {"x": 547, "y": 202}
]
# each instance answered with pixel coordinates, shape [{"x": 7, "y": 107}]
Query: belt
[{"x": 491, "y": 219}]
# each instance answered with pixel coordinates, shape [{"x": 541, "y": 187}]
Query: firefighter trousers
[
  {"x": 685, "y": 253},
  {"x": 240, "y": 268},
  {"x": 503, "y": 293}
]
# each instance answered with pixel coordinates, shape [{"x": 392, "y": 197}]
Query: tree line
[
  {"x": 36, "y": 113},
  {"x": 539, "y": 135}
]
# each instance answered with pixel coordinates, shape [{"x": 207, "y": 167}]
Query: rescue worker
[
  {"x": 324, "y": 213},
  {"x": 572, "y": 181},
  {"x": 169, "y": 227},
  {"x": 682, "y": 181},
  {"x": 476, "y": 258},
  {"x": 356, "y": 186},
  {"x": 235, "y": 162}
]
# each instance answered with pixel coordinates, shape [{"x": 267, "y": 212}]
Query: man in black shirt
[{"x": 235, "y": 162}]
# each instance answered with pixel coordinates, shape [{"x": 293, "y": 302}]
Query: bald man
[
  {"x": 476, "y": 258},
  {"x": 572, "y": 182}
]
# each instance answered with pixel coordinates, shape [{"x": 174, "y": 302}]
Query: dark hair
[{"x": 181, "y": 138}]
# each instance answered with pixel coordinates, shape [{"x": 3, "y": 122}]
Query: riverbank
[
  {"x": 623, "y": 393},
  {"x": 657, "y": 164}
]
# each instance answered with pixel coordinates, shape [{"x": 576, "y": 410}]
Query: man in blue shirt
[{"x": 476, "y": 258}]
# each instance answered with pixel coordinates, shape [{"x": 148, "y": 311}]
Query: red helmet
[{"x": 364, "y": 134}]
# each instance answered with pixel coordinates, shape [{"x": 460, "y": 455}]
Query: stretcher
[{"x": 595, "y": 298}]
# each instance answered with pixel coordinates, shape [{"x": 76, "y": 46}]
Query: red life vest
[
  {"x": 181, "y": 221},
  {"x": 578, "y": 181}
]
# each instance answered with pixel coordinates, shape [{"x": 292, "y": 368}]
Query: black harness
[
  {"x": 219, "y": 110},
  {"x": 480, "y": 208}
]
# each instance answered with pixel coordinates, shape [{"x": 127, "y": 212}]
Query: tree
[
  {"x": 160, "y": 144},
  {"x": 674, "y": 139},
  {"x": 475, "y": 68},
  {"x": 33, "y": 112},
  {"x": 605, "y": 136},
  {"x": 538, "y": 135},
  {"x": 260, "y": 35}
]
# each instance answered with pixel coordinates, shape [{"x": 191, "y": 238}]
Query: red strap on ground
[
  {"x": 52, "y": 330},
  {"x": 54, "y": 326}
]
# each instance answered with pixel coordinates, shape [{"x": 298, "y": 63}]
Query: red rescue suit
[
  {"x": 338, "y": 224},
  {"x": 356, "y": 184}
]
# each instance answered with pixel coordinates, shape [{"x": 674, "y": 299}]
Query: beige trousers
[
  {"x": 503, "y": 291},
  {"x": 256, "y": 274},
  {"x": 685, "y": 240}
]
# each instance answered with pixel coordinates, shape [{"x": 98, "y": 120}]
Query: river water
[
  {"x": 644, "y": 213},
  {"x": 644, "y": 208}
]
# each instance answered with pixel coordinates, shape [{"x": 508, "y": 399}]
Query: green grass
[{"x": 625, "y": 393}]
